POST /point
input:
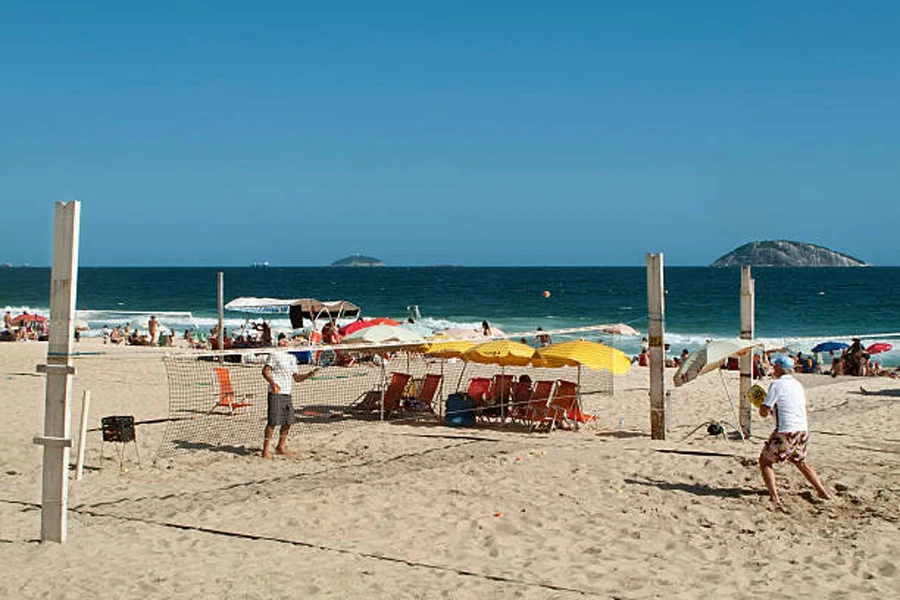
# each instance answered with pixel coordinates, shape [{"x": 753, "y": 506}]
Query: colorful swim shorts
[{"x": 790, "y": 446}]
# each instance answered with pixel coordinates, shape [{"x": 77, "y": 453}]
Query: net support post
[
  {"x": 656, "y": 334},
  {"x": 748, "y": 319},
  {"x": 57, "y": 411}
]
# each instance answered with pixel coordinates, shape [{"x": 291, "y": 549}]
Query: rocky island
[
  {"x": 784, "y": 253},
  {"x": 358, "y": 260}
]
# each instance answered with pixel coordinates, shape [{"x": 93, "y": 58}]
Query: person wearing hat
[{"x": 787, "y": 401}]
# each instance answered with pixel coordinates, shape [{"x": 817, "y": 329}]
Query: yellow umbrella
[
  {"x": 505, "y": 353},
  {"x": 579, "y": 353},
  {"x": 500, "y": 352},
  {"x": 448, "y": 348},
  {"x": 592, "y": 355}
]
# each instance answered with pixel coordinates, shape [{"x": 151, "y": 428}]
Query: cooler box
[
  {"x": 302, "y": 356},
  {"x": 460, "y": 411}
]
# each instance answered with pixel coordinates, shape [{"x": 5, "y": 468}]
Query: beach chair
[
  {"x": 226, "y": 392},
  {"x": 424, "y": 399},
  {"x": 563, "y": 404},
  {"x": 477, "y": 391},
  {"x": 498, "y": 395},
  {"x": 537, "y": 411},
  {"x": 521, "y": 396},
  {"x": 393, "y": 395}
]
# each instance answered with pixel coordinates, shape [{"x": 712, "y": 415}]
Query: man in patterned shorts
[{"x": 787, "y": 401}]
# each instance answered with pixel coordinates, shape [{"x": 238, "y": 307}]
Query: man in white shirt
[
  {"x": 280, "y": 372},
  {"x": 787, "y": 401}
]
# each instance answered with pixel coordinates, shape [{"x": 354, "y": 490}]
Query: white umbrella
[
  {"x": 711, "y": 357},
  {"x": 619, "y": 329},
  {"x": 382, "y": 334}
]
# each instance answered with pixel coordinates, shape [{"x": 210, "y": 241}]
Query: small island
[
  {"x": 358, "y": 260},
  {"x": 785, "y": 253}
]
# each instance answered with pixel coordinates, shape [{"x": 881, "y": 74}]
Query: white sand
[{"x": 416, "y": 511}]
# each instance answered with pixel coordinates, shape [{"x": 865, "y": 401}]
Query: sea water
[{"x": 795, "y": 307}]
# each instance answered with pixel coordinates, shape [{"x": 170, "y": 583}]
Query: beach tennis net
[{"x": 218, "y": 400}]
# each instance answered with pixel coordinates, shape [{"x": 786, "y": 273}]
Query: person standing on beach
[
  {"x": 7, "y": 321},
  {"x": 280, "y": 372},
  {"x": 787, "y": 400},
  {"x": 153, "y": 326}
]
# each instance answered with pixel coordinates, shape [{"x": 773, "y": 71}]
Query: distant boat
[{"x": 260, "y": 265}]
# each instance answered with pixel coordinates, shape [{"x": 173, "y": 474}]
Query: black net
[{"x": 219, "y": 400}]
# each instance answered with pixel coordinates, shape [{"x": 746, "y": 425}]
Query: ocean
[{"x": 795, "y": 307}]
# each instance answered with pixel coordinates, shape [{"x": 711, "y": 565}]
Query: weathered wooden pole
[
  {"x": 656, "y": 314},
  {"x": 220, "y": 337},
  {"x": 748, "y": 311},
  {"x": 57, "y": 439},
  {"x": 82, "y": 434}
]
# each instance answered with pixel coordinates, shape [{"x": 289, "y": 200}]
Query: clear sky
[{"x": 482, "y": 133}]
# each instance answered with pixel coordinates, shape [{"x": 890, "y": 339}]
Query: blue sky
[{"x": 510, "y": 133}]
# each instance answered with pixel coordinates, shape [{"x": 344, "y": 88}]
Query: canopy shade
[
  {"x": 711, "y": 357},
  {"x": 592, "y": 355},
  {"x": 259, "y": 306},
  {"x": 312, "y": 310}
]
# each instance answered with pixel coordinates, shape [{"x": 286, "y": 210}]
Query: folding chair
[
  {"x": 563, "y": 402},
  {"x": 424, "y": 399},
  {"x": 498, "y": 395},
  {"x": 391, "y": 397},
  {"x": 537, "y": 411},
  {"x": 226, "y": 392},
  {"x": 477, "y": 391}
]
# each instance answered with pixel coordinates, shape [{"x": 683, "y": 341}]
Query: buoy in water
[{"x": 546, "y": 293}]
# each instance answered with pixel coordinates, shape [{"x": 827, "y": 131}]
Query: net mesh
[{"x": 219, "y": 400}]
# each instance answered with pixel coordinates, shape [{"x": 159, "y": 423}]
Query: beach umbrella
[
  {"x": 711, "y": 357},
  {"x": 879, "y": 347},
  {"x": 382, "y": 334},
  {"x": 829, "y": 346},
  {"x": 463, "y": 334},
  {"x": 593, "y": 355},
  {"x": 448, "y": 348},
  {"x": 505, "y": 353},
  {"x": 362, "y": 324},
  {"x": 582, "y": 353},
  {"x": 619, "y": 329},
  {"x": 27, "y": 318}
]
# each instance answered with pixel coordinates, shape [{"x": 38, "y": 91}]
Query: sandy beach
[{"x": 418, "y": 510}]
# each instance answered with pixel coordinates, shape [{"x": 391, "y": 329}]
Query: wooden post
[
  {"x": 656, "y": 313},
  {"x": 57, "y": 412},
  {"x": 748, "y": 309},
  {"x": 220, "y": 338},
  {"x": 82, "y": 434}
]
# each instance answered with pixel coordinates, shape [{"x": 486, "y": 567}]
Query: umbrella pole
[
  {"x": 383, "y": 385},
  {"x": 730, "y": 401},
  {"x": 580, "y": 413}
]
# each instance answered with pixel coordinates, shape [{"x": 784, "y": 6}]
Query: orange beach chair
[{"x": 226, "y": 392}]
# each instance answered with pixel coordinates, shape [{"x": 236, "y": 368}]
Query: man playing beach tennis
[
  {"x": 787, "y": 400},
  {"x": 280, "y": 372}
]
